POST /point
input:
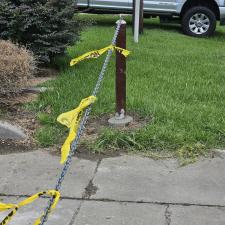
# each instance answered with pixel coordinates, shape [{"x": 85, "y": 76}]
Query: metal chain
[{"x": 82, "y": 126}]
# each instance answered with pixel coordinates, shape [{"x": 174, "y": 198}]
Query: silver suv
[{"x": 198, "y": 17}]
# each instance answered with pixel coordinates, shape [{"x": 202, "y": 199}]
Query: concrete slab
[
  {"x": 31, "y": 172},
  {"x": 62, "y": 215},
  {"x": 132, "y": 178},
  {"x": 195, "y": 215},
  {"x": 219, "y": 153},
  {"x": 112, "y": 213},
  {"x": 9, "y": 131}
]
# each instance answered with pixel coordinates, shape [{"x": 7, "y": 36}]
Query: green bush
[{"x": 46, "y": 27}]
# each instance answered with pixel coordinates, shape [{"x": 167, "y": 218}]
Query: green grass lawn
[{"x": 176, "y": 80}]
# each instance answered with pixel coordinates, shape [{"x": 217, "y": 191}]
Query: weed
[
  {"x": 190, "y": 153},
  {"x": 48, "y": 135}
]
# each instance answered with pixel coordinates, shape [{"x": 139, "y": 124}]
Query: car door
[
  {"x": 110, "y": 4},
  {"x": 82, "y": 3},
  {"x": 158, "y": 5}
]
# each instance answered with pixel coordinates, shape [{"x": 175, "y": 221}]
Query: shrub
[
  {"x": 46, "y": 27},
  {"x": 16, "y": 65}
]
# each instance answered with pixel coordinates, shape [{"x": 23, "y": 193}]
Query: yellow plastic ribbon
[
  {"x": 96, "y": 53},
  {"x": 15, "y": 207},
  {"x": 72, "y": 119},
  {"x": 122, "y": 51}
]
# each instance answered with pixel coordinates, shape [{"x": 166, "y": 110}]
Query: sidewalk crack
[
  {"x": 91, "y": 189},
  {"x": 72, "y": 222},
  {"x": 168, "y": 215}
]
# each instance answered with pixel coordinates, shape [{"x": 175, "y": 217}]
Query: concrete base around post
[{"x": 120, "y": 122}]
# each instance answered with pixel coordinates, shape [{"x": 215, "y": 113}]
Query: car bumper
[{"x": 222, "y": 15}]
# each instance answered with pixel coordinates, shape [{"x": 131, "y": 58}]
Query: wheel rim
[{"x": 199, "y": 23}]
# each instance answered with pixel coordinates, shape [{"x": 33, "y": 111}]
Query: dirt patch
[
  {"x": 38, "y": 80},
  {"x": 10, "y": 147},
  {"x": 29, "y": 123},
  {"x": 83, "y": 152},
  {"x": 12, "y": 103},
  {"x": 14, "y": 113},
  {"x": 93, "y": 130},
  {"x": 26, "y": 120},
  {"x": 47, "y": 72},
  {"x": 97, "y": 123}
]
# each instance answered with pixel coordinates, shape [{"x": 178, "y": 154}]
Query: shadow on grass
[
  {"x": 219, "y": 35},
  {"x": 165, "y": 27},
  {"x": 155, "y": 25},
  {"x": 149, "y": 24}
]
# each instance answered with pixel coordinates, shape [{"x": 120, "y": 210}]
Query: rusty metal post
[
  {"x": 121, "y": 119},
  {"x": 121, "y": 71},
  {"x": 141, "y": 21}
]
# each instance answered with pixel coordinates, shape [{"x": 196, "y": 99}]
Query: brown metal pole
[
  {"x": 133, "y": 16},
  {"x": 121, "y": 72},
  {"x": 141, "y": 21}
]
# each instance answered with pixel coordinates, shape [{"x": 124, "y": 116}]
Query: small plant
[
  {"x": 46, "y": 119},
  {"x": 47, "y": 136},
  {"x": 190, "y": 153},
  {"x": 16, "y": 66},
  {"x": 113, "y": 139}
]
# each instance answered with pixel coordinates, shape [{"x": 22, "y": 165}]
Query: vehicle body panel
[
  {"x": 109, "y": 4},
  {"x": 82, "y": 3},
  {"x": 158, "y": 5},
  {"x": 173, "y": 7}
]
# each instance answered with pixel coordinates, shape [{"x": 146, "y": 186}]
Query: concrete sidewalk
[{"x": 117, "y": 191}]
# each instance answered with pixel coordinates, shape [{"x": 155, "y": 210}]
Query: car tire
[{"x": 199, "y": 21}]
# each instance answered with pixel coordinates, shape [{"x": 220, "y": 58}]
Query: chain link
[{"x": 82, "y": 126}]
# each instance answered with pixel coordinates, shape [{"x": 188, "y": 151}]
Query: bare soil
[
  {"x": 92, "y": 131},
  {"x": 14, "y": 113},
  {"x": 83, "y": 152}
]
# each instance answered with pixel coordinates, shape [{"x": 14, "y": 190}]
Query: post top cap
[{"x": 122, "y": 21}]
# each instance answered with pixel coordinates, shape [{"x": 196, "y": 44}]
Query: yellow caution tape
[
  {"x": 14, "y": 207},
  {"x": 72, "y": 119},
  {"x": 122, "y": 51},
  {"x": 96, "y": 53}
]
